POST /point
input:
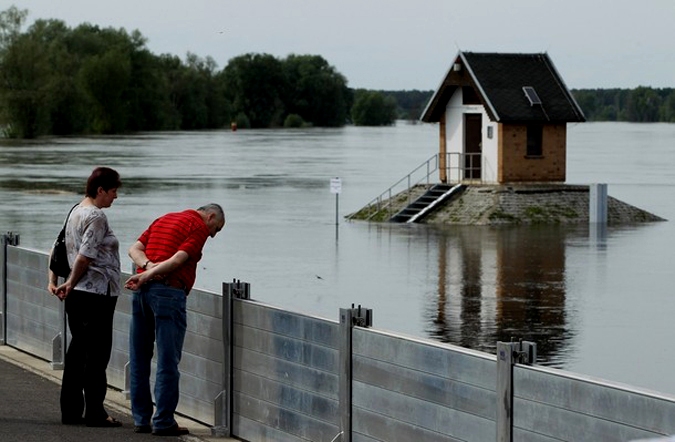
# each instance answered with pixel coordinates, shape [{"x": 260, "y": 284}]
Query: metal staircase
[
  {"x": 383, "y": 206},
  {"x": 426, "y": 203}
]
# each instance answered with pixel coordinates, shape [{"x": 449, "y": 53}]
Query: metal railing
[
  {"x": 405, "y": 185},
  {"x": 459, "y": 167}
]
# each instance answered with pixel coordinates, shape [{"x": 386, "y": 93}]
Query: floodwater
[{"x": 598, "y": 302}]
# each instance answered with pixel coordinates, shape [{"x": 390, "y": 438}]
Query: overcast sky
[{"x": 397, "y": 44}]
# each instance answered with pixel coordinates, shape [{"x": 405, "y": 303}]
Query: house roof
[{"x": 499, "y": 81}]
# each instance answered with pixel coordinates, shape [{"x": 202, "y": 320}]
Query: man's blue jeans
[{"x": 157, "y": 313}]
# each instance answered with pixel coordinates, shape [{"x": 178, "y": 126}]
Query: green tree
[
  {"x": 147, "y": 95},
  {"x": 255, "y": 85},
  {"x": 667, "y": 112},
  {"x": 294, "y": 121},
  {"x": 372, "y": 108},
  {"x": 643, "y": 105},
  {"x": 193, "y": 109},
  {"x": 588, "y": 102},
  {"x": 173, "y": 73},
  {"x": 11, "y": 22},
  {"x": 69, "y": 111},
  {"x": 26, "y": 76},
  {"x": 105, "y": 73},
  {"x": 316, "y": 91},
  {"x": 204, "y": 102},
  {"x": 410, "y": 104},
  {"x": 105, "y": 79},
  {"x": 66, "y": 81}
]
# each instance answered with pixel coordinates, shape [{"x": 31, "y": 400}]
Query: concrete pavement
[{"x": 30, "y": 410}]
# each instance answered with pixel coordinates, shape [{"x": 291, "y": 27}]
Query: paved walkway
[{"x": 30, "y": 411}]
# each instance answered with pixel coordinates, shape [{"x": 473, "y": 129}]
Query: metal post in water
[{"x": 597, "y": 200}]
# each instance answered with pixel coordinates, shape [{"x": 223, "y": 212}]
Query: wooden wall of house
[{"x": 516, "y": 166}]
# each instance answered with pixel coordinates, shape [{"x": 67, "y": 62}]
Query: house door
[{"x": 472, "y": 146}]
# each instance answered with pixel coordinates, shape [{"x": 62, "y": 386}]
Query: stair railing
[
  {"x": 459, "y": 167},
  {"x": 418, "y": 176}
]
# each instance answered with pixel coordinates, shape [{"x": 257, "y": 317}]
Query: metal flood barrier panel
[
  {"x": 201, "y": 366},
  {"x": 408, "y": 390},
  {"x": 34, "y": 320},
  {"x": 287, "y": 379},
  {"x": 551, "y": 405},
  {"x": 285, "y": 375}
]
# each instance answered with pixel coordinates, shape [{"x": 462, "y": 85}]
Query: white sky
[{"x": 401, "y": 45}]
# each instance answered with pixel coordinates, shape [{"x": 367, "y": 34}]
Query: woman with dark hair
[{"x": 90, "y": 293}]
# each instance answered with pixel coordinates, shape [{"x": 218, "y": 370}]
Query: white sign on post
[
  {"x": 336, "y": 188},
  {"x": 335, "y": 185}
]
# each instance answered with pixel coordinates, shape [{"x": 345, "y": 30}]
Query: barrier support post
[
  {"x": 349, "y": 318},
  {"x": 8, "y": 239},
  {"x": 508, "y": 354},
  {"x": 223, "y": 401}
]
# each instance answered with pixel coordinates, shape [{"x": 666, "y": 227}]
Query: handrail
[
  {"x": 378, "y": 202},
  {"x": 466, "y": 166}
]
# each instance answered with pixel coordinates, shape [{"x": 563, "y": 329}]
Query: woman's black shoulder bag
[{"x": 58, "y": 263}]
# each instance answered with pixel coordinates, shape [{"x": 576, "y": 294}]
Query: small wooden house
[{"x": 503, "y": 118}]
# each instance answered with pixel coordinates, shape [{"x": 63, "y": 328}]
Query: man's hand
[{"x": 136, "y": 281}]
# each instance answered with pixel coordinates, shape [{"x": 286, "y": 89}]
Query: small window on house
[
  {"x": 469, "y": 96},
  {"x": 535, "y": 135}
]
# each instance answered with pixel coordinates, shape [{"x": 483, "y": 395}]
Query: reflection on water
[
  {"x": 500, "y": 284},
  {"x": 531, "y": 289}
]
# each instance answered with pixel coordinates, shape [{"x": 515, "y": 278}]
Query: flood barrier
[{"x": 259, "y": 372}]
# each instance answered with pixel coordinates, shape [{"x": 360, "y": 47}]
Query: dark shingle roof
[{"x": 499, "y": 80}]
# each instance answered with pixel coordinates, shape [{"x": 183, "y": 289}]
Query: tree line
[
  {"x": 57, "y": 80},
  {"x": 639, "y": 105}
]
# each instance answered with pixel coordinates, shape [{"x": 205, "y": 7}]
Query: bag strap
[{"x": 71, "y": 211}]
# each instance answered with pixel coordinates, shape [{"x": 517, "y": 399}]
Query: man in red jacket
[{"x": 166, "y": 257}]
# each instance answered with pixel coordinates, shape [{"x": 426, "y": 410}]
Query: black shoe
[
  {"x": 72, "y": 420},
  {"x": 105, "y": 423},
  {"x": 173, "y": 430},
  {"x": 142, "y": 429}
]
